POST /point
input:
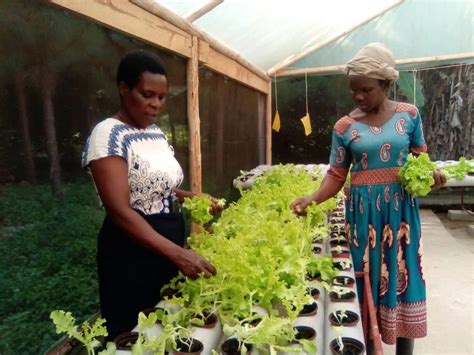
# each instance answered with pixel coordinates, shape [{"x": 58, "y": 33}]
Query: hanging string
[
  {"x": 395, "y": 91},
  {"x": 306, "y": 85},
  {"x": 414, "y": 87},
  {"x": 276, "y": 92}
]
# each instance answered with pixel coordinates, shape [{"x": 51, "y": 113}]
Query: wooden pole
[
  {"x": 195, "y": 173},
  {"x": 294, "y": 58},
  {"x": 338, "y": 69},
  {"x": 167, "y": 15},
  {"x": 268, "y": 127},
  {"x": 194, "y": 15}
]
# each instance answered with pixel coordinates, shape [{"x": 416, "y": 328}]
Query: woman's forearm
[
  {"x": 329, "y": 188},
  {"x": 182, "y": 194}
]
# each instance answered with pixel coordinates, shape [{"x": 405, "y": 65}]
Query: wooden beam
[
  {"x": 268, "y": 127},
  {"x": 339, "y": 69},
  {"x": 226, "y": 66},
  {"x": 195, "y": 172},
  {"x": 167, "y": 15},
  {"x": 130, "y": 19},
  {"x": 436, "y": 58},
  {"x": 195, "y": 14},
  {"x": 294, "y": 58},
  {"x": 332, "y": 69},
  {"x": 203, "y": 52}
]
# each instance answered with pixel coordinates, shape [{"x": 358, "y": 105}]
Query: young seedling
[
  {"x": 338, "y": 331},
  {"x": 86, "y": 334},
  {"x": 340, "y": 316},
  {"x": 340, "y": 291}
]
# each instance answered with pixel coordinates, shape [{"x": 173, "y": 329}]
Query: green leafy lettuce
[
  {"x": 459, "y": 170},
  {"x": 417, "y": 174},
  {"x": 262, "y": 253}
]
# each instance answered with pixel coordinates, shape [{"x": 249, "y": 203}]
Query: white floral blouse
[{"x": 153, "y": 171}]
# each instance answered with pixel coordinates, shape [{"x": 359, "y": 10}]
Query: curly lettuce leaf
[{"x": 416, "y": 175}]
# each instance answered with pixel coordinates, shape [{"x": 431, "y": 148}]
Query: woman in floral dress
[
  {"x": 382, "y": 219},
  {"x": 140, "y": 244}
]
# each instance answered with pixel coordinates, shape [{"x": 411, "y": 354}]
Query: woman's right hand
[
  {"x": 192, "y": 264},
  {"x": 300, "y": 204}
]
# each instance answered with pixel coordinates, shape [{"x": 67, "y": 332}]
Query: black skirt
[{"x": 130, "y": 275}]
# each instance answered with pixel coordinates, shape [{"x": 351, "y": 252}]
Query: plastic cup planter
[
  {"x": 338, "y": 241},
  {"x": 124, "y": 343},
  {"x": 344, "y": 318},
  {"x": 314, "y": 320},
  {"x": 188, "y": 346},
  {"x": 344, "y": 333},
  {"x": 343, "y": 279},
  {"x": 230, "y": 345},
  {"x": 346, "y": 346},
  {"x": 208, "y": 334},
  {"x": 341, "y": 294},
  {"x": 303, "y": 332},
  {"x": 309, "y": 325},
  {"x": 342, "y": 264},
  {"x": 202, "y": 340},
  {"x": 339, "y": 251},
  {"x": 317, "y": 248}
]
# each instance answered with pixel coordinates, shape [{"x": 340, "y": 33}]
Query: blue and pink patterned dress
[{"x": 382, "y": 219}]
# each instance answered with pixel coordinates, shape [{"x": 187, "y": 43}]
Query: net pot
[{"x": 351, "y": 347}]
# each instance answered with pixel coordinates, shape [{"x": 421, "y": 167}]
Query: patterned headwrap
[{"x": 373, "y": 61}]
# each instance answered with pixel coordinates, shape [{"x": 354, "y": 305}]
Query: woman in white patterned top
[{"x": 140, "y": 246}]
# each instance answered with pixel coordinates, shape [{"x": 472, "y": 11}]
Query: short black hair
[{"x": 135, "y": 63}]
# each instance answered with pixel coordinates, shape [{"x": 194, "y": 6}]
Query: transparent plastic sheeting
[
  {"x": 413, "y": 29},
  {"x": 266, "y": 32}
]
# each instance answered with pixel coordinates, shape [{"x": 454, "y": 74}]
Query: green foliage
[
  {"x": 87, "y": 334},
  {"x": 262, "y": 253},
  {"x": 459, "y": 169},
  {"x": 48, "y": 262},
  {"x": 417, "y": 174},
  {"x": 199, "y": 207}
]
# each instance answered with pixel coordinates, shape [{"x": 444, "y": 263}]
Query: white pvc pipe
[{"x": 209, "y": 337}]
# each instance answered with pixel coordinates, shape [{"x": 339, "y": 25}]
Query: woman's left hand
[
  {"x": 439, "y": 178},
  {"x": 216, "y": 207}
]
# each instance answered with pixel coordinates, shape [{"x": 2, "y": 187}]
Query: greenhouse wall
[
  {"x": 58, "y": 75},
  {"x": 443, "y": 95},
  {"x": 232, "y": 131}
]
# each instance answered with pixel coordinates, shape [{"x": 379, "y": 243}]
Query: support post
[
  {"x": 195, "y": 173},
  {"x": 268, "y": 127}
]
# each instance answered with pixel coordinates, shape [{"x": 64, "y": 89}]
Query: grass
[{"x": 47, "y": 262}]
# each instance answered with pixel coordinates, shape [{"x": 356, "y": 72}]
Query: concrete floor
[{"x": 449, "y": 270}]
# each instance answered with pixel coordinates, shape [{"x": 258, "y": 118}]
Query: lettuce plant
[
  {"x": 86, "y": 334},
  {"x": 200, "y": 208},
  {"x": 417, "y": 174},
  {"x": 262, "y": 253},
  {"x": 459, "y": 170}
]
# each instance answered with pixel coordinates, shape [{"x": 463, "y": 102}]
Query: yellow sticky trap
[
  {"x": 307, "y": 124},
  {"x": 276, "y": 122}
]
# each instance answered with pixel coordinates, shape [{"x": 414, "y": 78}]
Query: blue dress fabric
[{"x": 382, "y": 219}]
